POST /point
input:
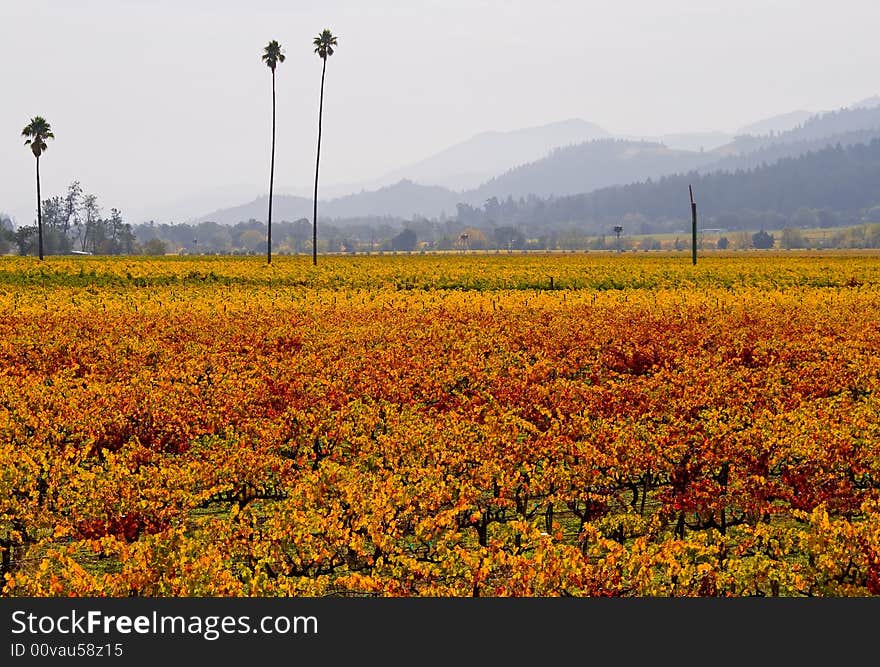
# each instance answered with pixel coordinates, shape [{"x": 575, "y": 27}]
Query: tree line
[
  {"x": 841, "y": 180},
  {"x": 74, "y": 223},
  {"x": 380, "y": 235}
]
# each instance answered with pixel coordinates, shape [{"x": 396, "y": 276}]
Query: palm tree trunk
[
  {"x": 271, "y": 177},
  {"x": 317, "y": 164},
  {"x": 39, "y": 213}
]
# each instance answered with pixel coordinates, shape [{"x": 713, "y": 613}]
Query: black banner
[{"x": 466, "y": 631}]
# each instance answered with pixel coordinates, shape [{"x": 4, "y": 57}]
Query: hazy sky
[{"x": 158, "y": 100}]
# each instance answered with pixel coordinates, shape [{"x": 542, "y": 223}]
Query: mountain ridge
[
  {"x": 575, "y": 168},
  {"x": 488, "y": 153}
]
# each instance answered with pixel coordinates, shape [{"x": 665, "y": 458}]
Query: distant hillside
[
  {"x": 712, "y": 140},
  {"x": 602, "y": 163},
  {"x": 868, "y": 103},
  {"x": 565, "y": 167},
  {"x": 284, "y": 207},
  {"x": 588, "y": 166},
  {"x": 467, "y": 164},
  {"x": 403, "y": 199},
  {"x": 777, "y": 151},
  {"x": 574, "y": 170},
  {"x": 820, "y": 126},
  {"x": 840, "y": 179},
  {"x": 695, "y": 141},
  {"x": 777, "y": 124}
]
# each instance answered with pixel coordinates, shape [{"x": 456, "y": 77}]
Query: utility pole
[{"x": 693, "y": 227}]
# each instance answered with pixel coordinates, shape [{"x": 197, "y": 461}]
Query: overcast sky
[{"x": 158, "y": 100}]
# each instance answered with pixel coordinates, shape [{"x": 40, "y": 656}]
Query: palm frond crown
[
  {"x": 272, "y": 54},
  {"x": 36, "y": 133},
  {"x": 324, "y": 44}
]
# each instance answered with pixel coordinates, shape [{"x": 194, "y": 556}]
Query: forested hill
[
  {"x": 820, "y": 126},
  {"x": 843, "y": 179},
  {"x": 588, "y": 166},
  {"x": 776, "y": 151},
  {"x": 585, "y": 167},
  {"x": 582, "y": 168}
]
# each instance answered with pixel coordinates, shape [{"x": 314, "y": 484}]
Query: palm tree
[
  {"x": 37, "y": 131},
  {"x": 272, "y": 55},
  {"x": 324, "y": 44}
]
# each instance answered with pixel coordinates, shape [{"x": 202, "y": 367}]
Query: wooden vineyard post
[{"x": 693, "y": 227}]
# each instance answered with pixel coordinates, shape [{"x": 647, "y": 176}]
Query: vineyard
[{"x": 495, "y": 425}]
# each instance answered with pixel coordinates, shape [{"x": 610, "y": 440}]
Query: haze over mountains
[
  {"x": 472, "y": 162},
  {"x": 401, "y": 200},
  {"x": 781, "y": 123},
  {"x": 817, "y": 188},
  {"x": 568, "y": 158},
  {"x": 867, "y": 103}
]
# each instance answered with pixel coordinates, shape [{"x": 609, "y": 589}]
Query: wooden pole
[{"x": 693, "y": 227}]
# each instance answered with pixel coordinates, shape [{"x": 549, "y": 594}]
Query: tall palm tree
[
  {"x": 272, "y": 55},
  {"x": 37, "y": 131},
  {"x": 323, "y": 44}
]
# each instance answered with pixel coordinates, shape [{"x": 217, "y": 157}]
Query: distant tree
[
  {"x": 467, "y": 214},
  {"x": 492, "y": 208},
  {"x": 214, "y": 237},
  {"x": 722, "y": 243},
  {"x": 71, "y": 206},
  {"x": 251, "y": 240},
  {"x": 155, "y": 247},
  {"x": 323, "y": 44},
  {"x": 25, "y": 239},
  {"x": 762, "y": 240},
  {"x": 36, "y": 133},
  {"x": 741, "y": 240},
  {"x": 119, "y": 233},
  {"x": 7, "y": 236},
  {"x": 405, "y": 241},
  {"x": 509, "y": 238},
  {"x": 89, "y": 228},
  {"x": 792, "y": 238},
  {"x": 55, "y": 240},
  {"x": 272, "y": 55}
]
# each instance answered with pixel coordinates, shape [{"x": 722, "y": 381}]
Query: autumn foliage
[{"x": 441, "y": 426}]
